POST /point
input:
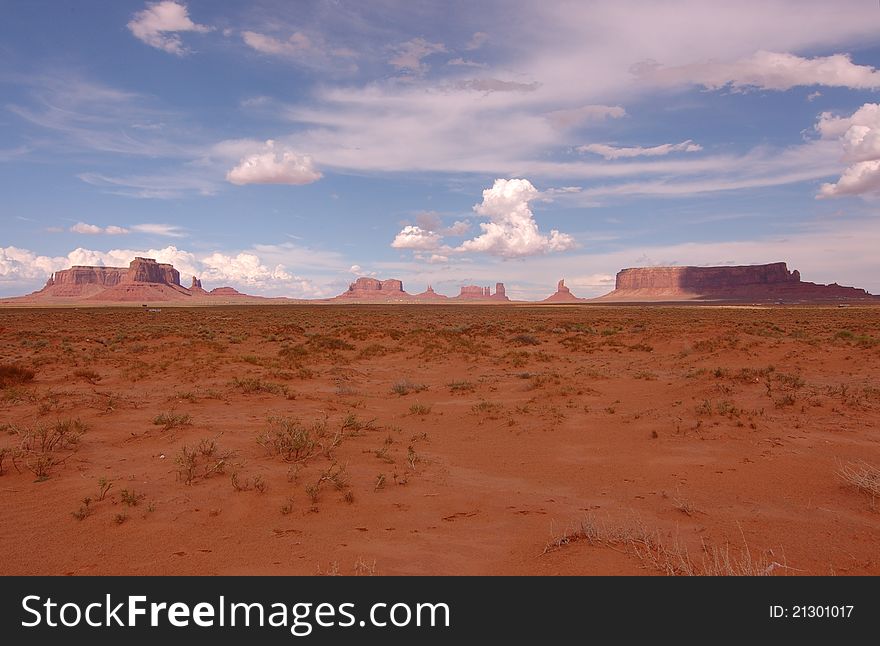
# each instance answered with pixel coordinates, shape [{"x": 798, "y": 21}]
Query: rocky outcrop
[
  {"x": 430, "y": 295},
  {"x": 147, "y": 270},
  {"x": 562, "y": 295},
  {"x": 224, "y": 291},
  {"x": 477, "y": 293},
  {"x": 770, "y": 282},
  {"x": 196, "y": 288},
  {"x": 375, "y": 289},
  {"x": 144, "y": 279}
]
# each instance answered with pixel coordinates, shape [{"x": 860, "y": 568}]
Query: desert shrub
[
  {"x": 169, "y": 421},
  {"x": 863, "y": 476},
  {"x": 288, "y": 438},
  {"x": 14, "y": 375},
  {"x": 525, "y": 339},
  {"x": 201, "y": 461},
  {"x": 460, "y": 386},
  {"x": 85, "y": 374},
  {"x": 419, "y": 409},
  {"x": 405, "y": 387},
  {"x": 251, "y": 385},
  {"x": 130, "y": 497},
  {"x": 43, "y": 447}
]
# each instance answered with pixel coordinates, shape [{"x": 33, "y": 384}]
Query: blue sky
[{"x": 286, "y": 148}]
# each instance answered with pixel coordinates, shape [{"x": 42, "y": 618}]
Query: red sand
[{"x": 702, "y": 428}]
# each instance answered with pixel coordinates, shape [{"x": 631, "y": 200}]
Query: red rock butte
[
  {"x": 143, "y": 280},
  {"x": 562, "y": 295},
  {"x": 367, "y": 289},
  {"x": 743, "y": 283}
]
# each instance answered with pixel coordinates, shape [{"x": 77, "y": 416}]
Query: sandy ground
[{"x": 439, "y": 440}]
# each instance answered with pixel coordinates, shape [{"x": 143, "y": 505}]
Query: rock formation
[
  {"x": 477, "y": 293},
  {"x": 143, "y": 280},
  {"x": 430, "y": 295},
  {"x": 374, "y": 289},
  {"x": 562, "y": 295},
  {"x": 771, "y": 282}
]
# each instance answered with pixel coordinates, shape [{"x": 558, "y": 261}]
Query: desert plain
[{"x": 429, "y": 439}]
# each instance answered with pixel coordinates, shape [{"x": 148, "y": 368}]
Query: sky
[{"x": 286, "y": 148}]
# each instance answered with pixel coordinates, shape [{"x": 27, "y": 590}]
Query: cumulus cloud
[
  {"x": 859, "y": 136},
  {"x": 408, "y": 56},
  {"x": 764, "y": 70},
  {"x": 613, "y": 152},
  {"x": 857, "y": 179},
  {"x": 512, "y": 231},
  {"x": 458, "y": 228},
  {"x": 160, "y": 23},
  {"x": 414, "y": 237},
  {"x": 572, "y": 117},
  {"x": 274, "y": 165}
]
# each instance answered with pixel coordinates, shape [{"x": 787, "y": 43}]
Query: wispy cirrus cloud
[
  {"x": 625, "y": 152},
  {"x": 764, "y": 70}
]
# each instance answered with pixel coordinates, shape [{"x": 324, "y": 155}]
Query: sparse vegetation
[
  {"x": 405, "y": 387},
  {"x": 14, "y": 375},
  {"x": 863, "y": 476},
  {"x": 171, "y": 420}
]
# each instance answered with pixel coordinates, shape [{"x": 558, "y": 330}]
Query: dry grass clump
[
  {"x": 863, "y": 476},
  {"x": 672, "y": 559},
  {"x": 14, "y": 375},
  {"x": 43, "y": 447},
  {"x": 201, "y": 461}
]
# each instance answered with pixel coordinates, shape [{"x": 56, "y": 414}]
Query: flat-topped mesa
[
  {"x": 562, "y": 294},
  {"x": 699, "y": 279},
  {"x": 147, "y": 270},
  {"x": 144, "y": 279},
  {"x": 476, "y": 293},
  {"x": 734, "y": 283},
  {"x": 373, "y": 288}
]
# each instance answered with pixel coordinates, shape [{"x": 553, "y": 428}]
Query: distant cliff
[
  {"x": 734, "y": 283},
  {"x": 143, "y": 280}
]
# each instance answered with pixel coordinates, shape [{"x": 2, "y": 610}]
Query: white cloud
[
  {"x": 496, "y": 85},
  {"x": 297, "y": 43},
  {"x": 408, "y": 56},
  {"x": 414, "y": 237},
  {"x": 613, "y": 152},
  {"x": 458, "y": 228},
  {"x": 355, "y": 269},
  {"x": 160, "y": 23},
  {"x": 93, "y": 229},
  {"x": 857, "y": 179},
  {"x": 273, "y": 165},
  {"x": 512, "y": 231},
  {"x": 812, "y": 96},
  {"x": 572, "y": 117},
  {"x": 166, "y": 230},
  {"x": 764, "y": 70},
  {"x": 859, "y": 136}
]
